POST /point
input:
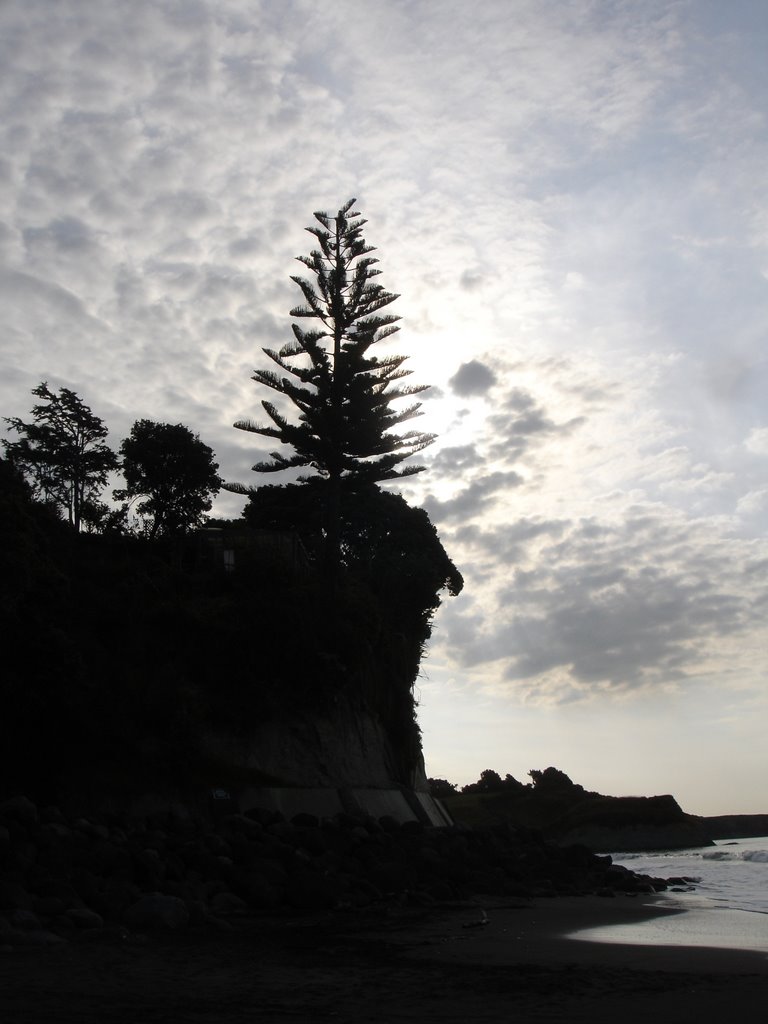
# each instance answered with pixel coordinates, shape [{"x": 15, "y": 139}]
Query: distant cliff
[
  {"x": 566, "y": 813},
  {"x": 736, "y": 826}
]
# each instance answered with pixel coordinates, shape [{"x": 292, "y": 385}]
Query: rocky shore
[{"x": 60, "y": 876}]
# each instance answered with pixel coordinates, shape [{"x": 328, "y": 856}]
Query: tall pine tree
[{"x": 344, "y": 395}]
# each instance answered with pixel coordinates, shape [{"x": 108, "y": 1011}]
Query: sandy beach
[{"x": 398, "y": 964}]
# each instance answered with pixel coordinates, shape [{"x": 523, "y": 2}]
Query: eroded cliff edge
[
  {"x": 132, "y": 667},
  {"x": 565, "y": 813}
]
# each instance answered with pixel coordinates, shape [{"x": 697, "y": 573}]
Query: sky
[{"x": 570, "y": 198}]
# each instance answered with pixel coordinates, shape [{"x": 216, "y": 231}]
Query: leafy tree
[
  {"x": 173, "y": 471},
  {"x": 62, "y": 452},
  {"x": 441, "y": 788},
  {"x": 343, "y": 393},
  {"x": 552, "y": 780},
  {"x": 489, "y": 782},
  {"x": 511, "y": 784},
  {"x": 383, "y": 540}
]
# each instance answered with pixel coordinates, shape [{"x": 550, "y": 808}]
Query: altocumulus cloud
[
  {"x": 589, "y": 606},
  {"x": 589, "y": 569},
  {"x": 472, "y": 378}
]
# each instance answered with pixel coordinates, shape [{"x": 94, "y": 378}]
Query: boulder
[
  {"x": 26, "y": 920},
  {"x": 257, "y": 890},
  {"x": 13, "y": 895},
  {"x": 21, "y": 809},
  {"x": 83, "y": 918},
  {"x": 226, "y": 904},
  {"x": 156, "y": 911},
  {"x": 5, "y": 843}
]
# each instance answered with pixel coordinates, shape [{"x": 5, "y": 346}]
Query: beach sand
[{"x": 396, "y": 965}]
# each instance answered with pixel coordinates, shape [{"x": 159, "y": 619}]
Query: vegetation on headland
[
  {"x": 121, "y": 652},
  {"x": 565, "y": 812},
  {"x": 128, "y": 639}
]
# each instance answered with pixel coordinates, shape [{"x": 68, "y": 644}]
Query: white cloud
[{"x": 757, "y": 441}]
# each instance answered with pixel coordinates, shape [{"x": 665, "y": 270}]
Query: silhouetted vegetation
[
  {"x": 384, "y": 543},
  {"x": 171, "y": 469},
  {"x": 344, "y": 394},
  {"x": 61, "y": 452},
  {"x": 560, "y": 808},
  {"x": 441, "y": 788},
  {"x": 127, "y": 644},
  {"x": 122, "y": 652},
  {"x": 491, "y": 782}
]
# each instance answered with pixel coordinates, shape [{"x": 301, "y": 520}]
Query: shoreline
[
  {"x": 391, "y": 965},
  {"x": 593, "y": 931}
]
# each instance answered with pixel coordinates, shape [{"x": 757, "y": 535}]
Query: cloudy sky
[{"x": 570, "y": 197}]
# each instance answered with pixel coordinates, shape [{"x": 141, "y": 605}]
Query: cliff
[
  {"x": 566, "y": 813},
  {"x": 133, "y": 667},
  {"x": 735, "y": 826}
]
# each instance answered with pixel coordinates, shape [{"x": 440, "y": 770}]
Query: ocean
[
  {"x": 732, "y": 874},
  {"x": 727, "y": 907}
]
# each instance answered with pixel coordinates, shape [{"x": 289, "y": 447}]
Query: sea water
[
  {"x": 731, "y": 874},
  {"x": 726, "y": 904}
]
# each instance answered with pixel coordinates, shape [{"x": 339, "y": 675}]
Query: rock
[
  {"x": 311, "y": 839},
  {"x": 5, "y": 842},
  {"x": 147, "y": 868},
  {"x": 21, "y": 809},
  {"x": 256, "y": 890},
  {"x": 388, "y": 876},
  {"x": 198, "y": 912},
  {"x": 670, "y": 836},
  {"x": 91, "y": 829},
  {"x": 86, "y": 884},
  {"x": 40, "y": 937},
  {"x": 412, "y": 828},
  {"x": 63, "y": 890},
  {"x": 264, "y": 816},
  {"x": 218, "y": 847},
  {"x": 53, "y": 834},
  {"x": 51, "y": 815},
  {"x": 48, "y": 906},
  {"x": 441, "y": 891},
  {"x": 305, "y": 820},
  {"x": 309, "y": 890},
  {"x": 214, "y": 887},
  {"x": 242, "y": 823},
  {"x": 83, "y": 918},
  {"x": 156, "y": 911},
  {"x": 26, "y": 920},
  {"x": 116, "y": 897},
  {"x": 13, "y": 895},
  {"x": 227, "y": 904},
  {"x": 147, "y": 875}
]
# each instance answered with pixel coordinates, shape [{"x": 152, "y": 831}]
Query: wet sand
[{"x": 392, "y": 965}]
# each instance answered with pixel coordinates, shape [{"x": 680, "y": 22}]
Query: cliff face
[
  {"x": 566, "y": 814},
  {"x": 735, "y": 826},
  {"x": 169, "y": 673},
  {"x": 679, "y": 835},
  {"x": 344, "y": 747}
]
